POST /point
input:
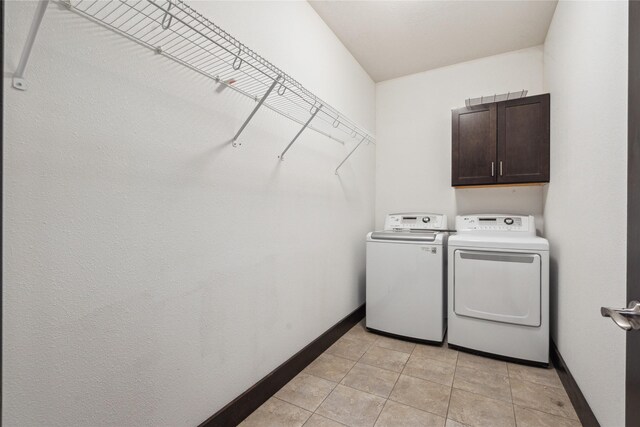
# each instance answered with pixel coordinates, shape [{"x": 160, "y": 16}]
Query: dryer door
[{"x": 500, "y": 286}]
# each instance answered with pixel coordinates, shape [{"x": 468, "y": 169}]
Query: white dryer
[
  {"x": 406, "y": 277},
  {"x": 499, "y": 287}
]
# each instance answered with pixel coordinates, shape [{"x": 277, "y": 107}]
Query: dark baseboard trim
[
  {"x": 587, "y": 418},
  {"x": 242, "y": 406}
]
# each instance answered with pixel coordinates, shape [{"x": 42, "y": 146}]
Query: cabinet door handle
[
  {"x": 500, "y": 167},
  {"x": 493, "y": 168}
]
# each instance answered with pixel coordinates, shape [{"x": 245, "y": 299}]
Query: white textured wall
[
  {"x": 151, "y": 271},
  {"x": 413, "y": 119},
  {"x": 585, "y": 208}
]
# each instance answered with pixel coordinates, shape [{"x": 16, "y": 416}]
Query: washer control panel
[
  {"x": 415, "y": 221},
  {"x": 515, "y": 223}
]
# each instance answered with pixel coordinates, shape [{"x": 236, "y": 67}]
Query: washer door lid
[{"x": 500, "y": 286}]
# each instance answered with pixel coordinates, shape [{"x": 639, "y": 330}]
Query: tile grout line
[
  {"x": 411, "y": 406},
  {"x": 548, "y": 413},
  {"x": 487, "y": 397},
  {"x": 333, "y": 355},
  {"x": 340, "y": 383},
  {"x": 402, "y": 373},
  {"x": 440, "y": 362},
  {"x": 521, "y": 406},
  {"x": 384, "y": 369},
  {"x": 388, "y": 370},
  {"x": 315, "y": 376},
  {"x": 288, "y": 403},
  {"x": 381, "y": 411},
  {"x": 383, "y": 337},
  {"x": 391, "y": 349},
  {"x": 411, "y": 376},
  {"x": 513, "y": 405},
  {"x": 453, "y": 380},
  {"x": 310, "y": 375},
  {"x": 395, "y": 401},
  {"x": 373, "y": 344},
  {"x": 524, "y": 406},
  {"x": 323, "y": 416},
  {"x": 540, "y": 384}
]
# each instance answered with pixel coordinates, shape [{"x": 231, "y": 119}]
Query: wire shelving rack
[{"x": 175, "y": 30}]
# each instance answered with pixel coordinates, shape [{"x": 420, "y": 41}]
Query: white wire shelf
[
  {"x": 472, "y": 102},
  {"x": 175, "y": 30}
]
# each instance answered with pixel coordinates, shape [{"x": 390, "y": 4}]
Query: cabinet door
[
  {"x": 523, "y": 140},
  {"x": 473, "y": 157}
]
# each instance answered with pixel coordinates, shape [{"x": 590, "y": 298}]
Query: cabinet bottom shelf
[{"x": 519, "y": 184}]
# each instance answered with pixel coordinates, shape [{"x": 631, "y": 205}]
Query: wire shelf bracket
[
  {"x": 176, "y": 31},
  {"x": 18, "y": 80},
  {"x": 350, "y": 153},
  {"x": 317, "y": 109},
  {"x": 257, "y": 107}
]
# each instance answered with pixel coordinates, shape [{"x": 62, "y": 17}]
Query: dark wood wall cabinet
[{"x": 501, "y": 143}]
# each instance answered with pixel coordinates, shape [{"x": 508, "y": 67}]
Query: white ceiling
[{"x": 395, "y": 38}]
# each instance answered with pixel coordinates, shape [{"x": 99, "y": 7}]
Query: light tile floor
[{"x": 370, "y": 380}]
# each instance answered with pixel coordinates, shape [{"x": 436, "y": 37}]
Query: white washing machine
[
  {"x": 499, "y": 287},
  {"x": 406, "y": 277}
]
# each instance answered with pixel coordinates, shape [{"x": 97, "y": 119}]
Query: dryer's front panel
[{"x": 499, "y": 286}]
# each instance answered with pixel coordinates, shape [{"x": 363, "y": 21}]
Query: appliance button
[
  {"x": 508, "y": 221},
  {"x": 426, "y": 219}
]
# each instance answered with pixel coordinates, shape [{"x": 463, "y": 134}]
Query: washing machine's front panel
[
  {"x": 499, "y": 286},
  {"x": 405, "y": 289}
]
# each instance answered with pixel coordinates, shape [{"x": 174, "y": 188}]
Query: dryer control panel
[
  {"x": 490, "y": 222},
  {"x": 415, "y": 221}
]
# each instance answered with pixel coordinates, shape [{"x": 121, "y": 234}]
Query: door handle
[
  {"x": 626, "y": 318},
  {"x": 493, "y": 168}
]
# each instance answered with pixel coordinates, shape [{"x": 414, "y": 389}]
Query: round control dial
[
  {"x": 508, "y": 221},
  {"x": 426, "y": 219}
]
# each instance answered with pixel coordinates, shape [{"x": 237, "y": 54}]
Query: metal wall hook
[
  {"x": 237, "y": 60},
  {"x": 164, "y": 18},
  {"x": 281, "y": 89},
  {"x": 336, "y": 123}
]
